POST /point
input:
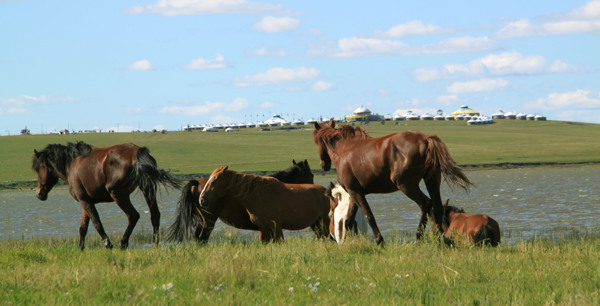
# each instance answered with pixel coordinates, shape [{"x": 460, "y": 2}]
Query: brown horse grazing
[
  {"x": 232, "y": 212},
  {"x": 103, "y": 175},
  {"x": 479, "y": 229},
  {"x": 385, "y": 164},
  {"x": 271, "y": 204}
]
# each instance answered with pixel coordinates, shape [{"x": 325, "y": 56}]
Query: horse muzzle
[
  {"x": 42, "y": 196},
  {"x": 325, "y": 167}
]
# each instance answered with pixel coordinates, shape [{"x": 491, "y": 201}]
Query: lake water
[{"x": 525, "y": 202}]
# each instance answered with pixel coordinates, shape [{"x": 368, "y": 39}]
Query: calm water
[{"x": 526, "y": 202}]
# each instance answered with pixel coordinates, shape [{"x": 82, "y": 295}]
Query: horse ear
[
  {"x": 317, "y": 126},
  {"x": 446, "y": 203},
  {"x": 226, "y": 167},
  {"x": 332, "y": 123},
  {"x": 294, "y": 161}
]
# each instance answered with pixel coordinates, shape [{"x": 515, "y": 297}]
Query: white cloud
[
  {"x": 321, "y": 86},
  {"x": 133, "y": 110},
  {"x": 272, "y": 24},
  {"x": 524, "y": 28},
  {"x": 237, "y": 104},
  {"x": 24, "y": 100},
  {"x": 141, "y": 65},
  {"x": 206, "y": 7},
  {"x": 413, "y": 28},
  {"x": 506, "y": 63},
  {"x": 357, "y": 46},
  {"x": 590, "y": 10},
  {"x": 483, "y": 85},
  {"x": 583, "y": 19},
  {"x": 270, "y": 52},
  {"x": 568, "y": 100},
  {"x": 204, "y": 64},
  {"x": 278, "y": 76}
]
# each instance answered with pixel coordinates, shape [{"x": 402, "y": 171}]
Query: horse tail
[
  {"x": 147, "y": 175},
  {"x": 490, "y": 233},
  {"x": 438, "y": 157},
  {"x": 187, "y": 214}
]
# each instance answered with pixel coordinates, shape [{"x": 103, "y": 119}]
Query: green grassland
[
  {"x": 506, "y": 142},
  {"x": 302, "y": 271}
]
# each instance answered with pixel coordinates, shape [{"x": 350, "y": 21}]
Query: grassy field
[
  {"x": 302, "y": 271},
  {"x": 251, "y": 150}
]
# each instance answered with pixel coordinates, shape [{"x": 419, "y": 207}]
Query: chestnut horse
[
  {"x": 106, "y": 174},
  {"x": 271, "y": 204},
  {"x": 231, "y": 212},
  {"x": 478, "y": 229},
  {"x": 340, "y": 207},
  {"x": 385, "y": 164}
]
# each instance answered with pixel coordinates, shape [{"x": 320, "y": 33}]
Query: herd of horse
[{"x": 288, "y": 199}]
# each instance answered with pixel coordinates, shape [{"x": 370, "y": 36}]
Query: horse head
[
  {"x": 305, "y": 172},
  {"x": 46, "y": 174},
  {"x": 215, "y": 187},
  {"x": 320, "y": 137}
]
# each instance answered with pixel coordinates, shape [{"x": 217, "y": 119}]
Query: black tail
[
  {"x": 147, "y": 175},
  {"x": 488, "y": 236},
  {"x": 187, "y": 217}
]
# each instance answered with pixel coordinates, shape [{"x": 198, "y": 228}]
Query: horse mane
[
  {"x": 331, "y": 136},
  {"x": 447, "y": 210},
  {"x": 60, "y": 156},
  {"x": 249, "y": 184}
]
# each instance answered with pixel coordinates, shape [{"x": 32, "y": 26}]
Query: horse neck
[{"x": 242, "y": 184}]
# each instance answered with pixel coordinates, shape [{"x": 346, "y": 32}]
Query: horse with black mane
[
  {"x": 386, "y": 164},
  {"x": 270, "y": 204},
  {"x": 231, "y": 211},
  {"x": 103, "y": 174},
  {"x": 478, "y": 229}
]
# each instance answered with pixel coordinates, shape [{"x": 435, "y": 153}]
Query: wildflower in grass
[
  {"x": 291, "y": 289},
  {"x": 218, "y": 287}
]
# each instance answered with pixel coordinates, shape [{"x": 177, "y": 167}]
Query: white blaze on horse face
[{"x": 210, "y": 179}]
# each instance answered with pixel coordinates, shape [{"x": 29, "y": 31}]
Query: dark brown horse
[
  {"x": 103, "y": 175},
  {"x": 271, "y": 205},
  {"x": 478, "y": 229},
  {"x": 232, "y": 212},
  {"x": 385, "y": 164}
]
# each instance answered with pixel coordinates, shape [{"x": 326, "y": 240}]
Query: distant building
[
  {"x": 25, "y": 131},
  {"x": 363, "y": 114},
  {"x": 465, "y": 111}
]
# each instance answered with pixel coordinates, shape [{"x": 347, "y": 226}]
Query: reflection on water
[{"x": 529, "y": 201}]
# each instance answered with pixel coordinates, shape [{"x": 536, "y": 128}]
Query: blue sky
[{"x": 164, "y": 64}]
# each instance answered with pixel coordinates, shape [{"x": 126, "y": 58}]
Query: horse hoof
[{"x": 108, "y": 245}]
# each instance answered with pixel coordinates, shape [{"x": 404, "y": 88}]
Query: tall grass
[{"x": 235, "y": 270}]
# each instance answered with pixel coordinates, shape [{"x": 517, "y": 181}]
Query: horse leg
[
  {"x": 132, "y": 216},
  {"x": 433, "y": 188},
  {"x": 83, "y": 228},
  {"x": 154, "y": 216},
  {"x": 320, "y": 229},
  {"x": 92, "y": 213},
  {"x": 361, "y": 201},
  {"x": 203, "y": 230},
  {"x": 414, "y": 193}
]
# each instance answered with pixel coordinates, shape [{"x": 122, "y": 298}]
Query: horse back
[
  {"x": 103, "y": 168},
  {"x": 381, "y": 164}
]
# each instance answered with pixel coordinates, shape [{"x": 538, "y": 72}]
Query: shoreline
[{"x": 31, "y": 185}]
